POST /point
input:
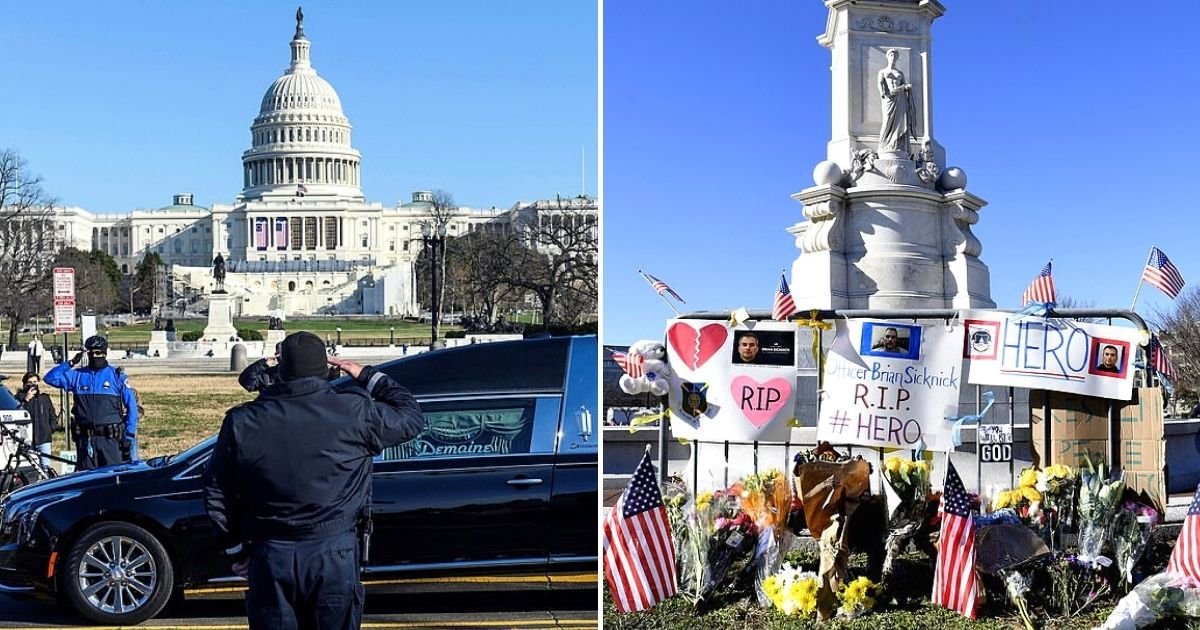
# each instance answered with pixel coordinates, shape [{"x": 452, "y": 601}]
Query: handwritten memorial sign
[
  {"x": 891, "y": 384},
  {"x": 732, "y": 383},
  {"x": 1050, "y": 354}
]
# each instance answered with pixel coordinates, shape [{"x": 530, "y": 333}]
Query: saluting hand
[{"x": 345, "y": 365}]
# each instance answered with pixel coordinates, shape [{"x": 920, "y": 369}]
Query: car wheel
[{"x": 117, "y": 574}]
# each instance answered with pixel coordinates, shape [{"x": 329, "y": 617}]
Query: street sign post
[{"x": 64, "y": 299}]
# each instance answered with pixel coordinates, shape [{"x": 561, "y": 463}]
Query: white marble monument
[{"x": 887, "y": 225}]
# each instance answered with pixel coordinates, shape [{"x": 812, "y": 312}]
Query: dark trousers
[
  {"x": 105, "y": 451},
  {"x": 311, "y": 584}
]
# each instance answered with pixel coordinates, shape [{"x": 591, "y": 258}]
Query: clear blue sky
[
  {"x": 1076, "y": 121},
  {"x": 118, "y": 105}
]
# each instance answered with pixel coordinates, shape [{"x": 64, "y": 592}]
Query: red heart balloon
[{"x": 696, "y": 347}]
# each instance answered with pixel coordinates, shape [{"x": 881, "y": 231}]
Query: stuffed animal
[{"x": 646, "y": 369}]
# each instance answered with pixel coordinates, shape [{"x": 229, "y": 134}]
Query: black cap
[
  {"x": 302, "y": 354},
  {"x": 96, "y": 343}
]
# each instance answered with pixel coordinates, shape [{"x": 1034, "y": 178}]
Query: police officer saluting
[
  {"x": 105, "y": 413},
  {"x": 289, "y": 483}
]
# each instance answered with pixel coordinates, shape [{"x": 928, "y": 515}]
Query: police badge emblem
[{"x": 695, "y": 399}]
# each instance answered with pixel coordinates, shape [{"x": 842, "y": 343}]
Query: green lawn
[{"x": 406, "y": 331}]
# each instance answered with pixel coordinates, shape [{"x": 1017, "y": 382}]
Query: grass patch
[
  {"x": 180, "y": 410},
  {"x": 908, "y": 606}
]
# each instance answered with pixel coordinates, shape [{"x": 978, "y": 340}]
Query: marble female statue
[{"x": 897, "y": 107}]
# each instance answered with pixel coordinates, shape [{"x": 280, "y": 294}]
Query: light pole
[
  {"x": 392, "y": 335},
  {"x": 132, "y": 290},
  {"x": 434, "y": 236}
]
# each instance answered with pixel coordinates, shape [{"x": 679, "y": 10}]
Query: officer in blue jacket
[
  {"x": 289, "y": 483},
  {"x": 105, "y": 413}
]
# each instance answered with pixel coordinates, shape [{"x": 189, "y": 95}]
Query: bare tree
[
  {"x": 27, "y": 242},
  {"x": 476, "y": 269},
  {"x": 1180, "y": 336},
  {"x": 435, "y": 229},
  {"x": 559, "y": 264}
]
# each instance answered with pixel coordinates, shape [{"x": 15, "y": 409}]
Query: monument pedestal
[
  {"x": 897, "y": 247},
  {"x": 159, "y": 345},
  {"x": 273, "y": 337},
  {"x": 220, "y": 326}
]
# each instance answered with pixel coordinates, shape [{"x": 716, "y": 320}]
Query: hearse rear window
[{"x": 474, "y": 428}]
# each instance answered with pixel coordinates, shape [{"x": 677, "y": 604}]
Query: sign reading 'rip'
[{"x": 760, "y": 402}]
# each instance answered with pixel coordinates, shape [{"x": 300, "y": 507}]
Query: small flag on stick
[
  {"x": 1159, "y": 359},
  {"x": 1041, "y": 289},
  {"x": 632, "y": 364},
  {"x": 660, "y": 287},
  {"x": 639, "y": 556},
  {"x": 1185, "y": 558},
  {"x": 1162, "y": 274},
  {"x": 784, "y": 306},
  {"x": 954, "y": 585}
]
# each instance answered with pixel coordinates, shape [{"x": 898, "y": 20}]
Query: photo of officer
[
  {"x": 104, "y": 417},
  {"x": 1108, "y": 360},
  {"x": 746, "y": 348},
  {"x": 890, "y": 342},
  {"x": 296, "y": 519}
]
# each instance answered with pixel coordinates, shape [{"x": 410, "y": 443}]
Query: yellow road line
[
  {"x": 565, "y": 624},
  {"x": 573, "y": 578}
]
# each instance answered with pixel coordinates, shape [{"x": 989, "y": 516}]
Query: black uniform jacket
[{"x": 295, "y": 464}]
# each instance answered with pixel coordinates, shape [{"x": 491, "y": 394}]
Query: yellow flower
[
  {"x": 704, "y": 500},
  {"x": 1031, "y": 494},
  {"x": 1028, "y": 478},
  {"x": 1002, "y": 500},
  {"x": 892, "y": 464},
  {"x": 906, "y": 467}
]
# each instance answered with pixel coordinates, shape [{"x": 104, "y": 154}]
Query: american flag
[
  {"x": 1159, "y": 359},
  {"x": 954, "y": 585},
  {"x": 1041, "y": 289},
  {"x": 639, "y": 557},
  {"x": 1161, "y": 273},
  {"x": 1185, "y": 559},
  {"x": 661, "y": 287},
  {"x": 631, "y": 364},
  {"x": 784, "y": 306},
  {"x": 301, "y": 189}
]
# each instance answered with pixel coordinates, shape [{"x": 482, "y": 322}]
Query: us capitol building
[{"x": 301, "y": 236}]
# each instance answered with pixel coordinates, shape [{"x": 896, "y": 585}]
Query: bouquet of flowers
[
  {"x": 906, "y": 491},
  {"x": 690, "y": 537},
  {"x": 1098, "y": 498},
  {"x": 792, "y": 591},
  {"x": 767, "y": 498},
  {"x": 1131, "y": 534},
  {"x": 1024, "y": 500},
  {"x": 734, "y": 534},
  {"x": 1016, "y": 584},
  {"x": 1158, "y": 596},
  {"x": 858, "y": 597},
  {"x": 1057, "y": 485}
]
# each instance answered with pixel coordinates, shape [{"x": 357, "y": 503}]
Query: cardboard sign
[
  {"x": 1079, "y": 430},
  {"x": 1050, "y": 354},
  {"x": 732, "y": 383},
  {"x": 892, "y": 384}
]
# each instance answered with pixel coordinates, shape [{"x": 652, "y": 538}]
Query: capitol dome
[{"x": 300, "y": 141}]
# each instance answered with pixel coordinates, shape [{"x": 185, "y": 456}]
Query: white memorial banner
[
  {"x": 1050, "y": 354},
  {"x": 892, "y": 384},
  {"x": 734, "y": 384}
]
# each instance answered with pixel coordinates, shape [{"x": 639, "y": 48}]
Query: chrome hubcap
[{"x": 117, "y": 575}]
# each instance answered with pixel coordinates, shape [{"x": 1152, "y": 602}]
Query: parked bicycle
[{"x": 24, "y": 465}]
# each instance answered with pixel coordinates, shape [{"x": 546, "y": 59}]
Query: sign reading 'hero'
[{"x": 1050, "y": 354}]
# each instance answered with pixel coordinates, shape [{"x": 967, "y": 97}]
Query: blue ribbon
[
  {"x": 1034, "y": 309},
  {"x": 956, "y": 431}
]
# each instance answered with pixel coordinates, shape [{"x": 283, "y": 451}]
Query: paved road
[{"x": 570, "y": 610}]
